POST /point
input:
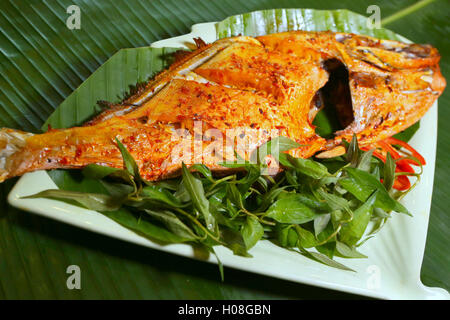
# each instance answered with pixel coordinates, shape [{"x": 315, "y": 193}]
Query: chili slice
[
  {"x": 401, "y": 182},
  {"x": 405, "y": 145}
]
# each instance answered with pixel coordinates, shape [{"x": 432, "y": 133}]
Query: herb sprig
[{"x": 319, "y": 208}]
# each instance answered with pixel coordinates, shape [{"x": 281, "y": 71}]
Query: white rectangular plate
[{"x": 392, "y": 270}]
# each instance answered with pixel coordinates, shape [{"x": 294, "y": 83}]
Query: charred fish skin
[{"x": 263, "y": 83}]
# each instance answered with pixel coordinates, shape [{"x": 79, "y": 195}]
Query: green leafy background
[{"x": 42, "y": 62}]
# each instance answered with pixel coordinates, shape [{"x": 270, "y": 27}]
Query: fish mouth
[{"x": 333, "y": 100}]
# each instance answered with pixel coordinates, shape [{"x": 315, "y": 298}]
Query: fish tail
[{"x": 11, "y": 142}]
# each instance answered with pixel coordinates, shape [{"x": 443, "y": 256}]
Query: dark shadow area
[{"x": 337, "y": 110}]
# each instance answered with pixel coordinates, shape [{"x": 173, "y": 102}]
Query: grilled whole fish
[{"x": 278, "y": 81}]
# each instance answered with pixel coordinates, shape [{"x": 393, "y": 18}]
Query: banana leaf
[
  {"x": 43, "y": 62},
  {"x": 112, "y": 82}
]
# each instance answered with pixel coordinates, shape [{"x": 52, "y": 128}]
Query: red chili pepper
[
  {"x": 404, "y": 166},
  {"x": 401, "y": 182},
  {"x": 403, "y": 144},
  {"x": 388, "y": 148},
  {"x": 412, "y": 162},
  {"x": 375, "y": 153}
]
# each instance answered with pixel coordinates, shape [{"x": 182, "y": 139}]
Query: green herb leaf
[
  {"x": 181, "y": 193},
  {"x": 234, "y": 241},
  {"x": 353, "y": 231},
  {"x": 93, "y": 201},
  {"x": 160, "y": 194},
  {"x": 141, "y": 225},
  {"x": 95, "y": 171},
  {"x": 268, "y": 198},
  {"x": 117, "y": 190},
  {"x": 308, "y": 167},
  {"x": 234, "y": 195},
  {"x": 173, "y": 223},
  {"x": 389, "y": 172},
  {"x": 334, "y": 202},
  {"x": 272, "y": 147},
  {"x": 286, "y": 235},
  {"x": 328, "y": 249},
  {"x": 253, "y": 174},
  {"x": 252, "y": 231},
  {"x": 128, "y": 160},
  {"x": 377, "y": 212},
  {"x": 346, "y": 252},
  {"x": 168, "y": 184},
  {"x": 291, "y": 209},
  {"x": 362, "y": 184},
  {"x": 219, "y": 263},
  {"x": 204, "y": 170},
  {"x": 325, "y": 260},
  {"x": 308, "y": 199},
  {"x": 197, "y": 194},
  {"x": 321, "y": 222},
  {"x": 353, "y": 152},
  {"x": 365, "y": 161},
  {"x": 306, "y": 238}
]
